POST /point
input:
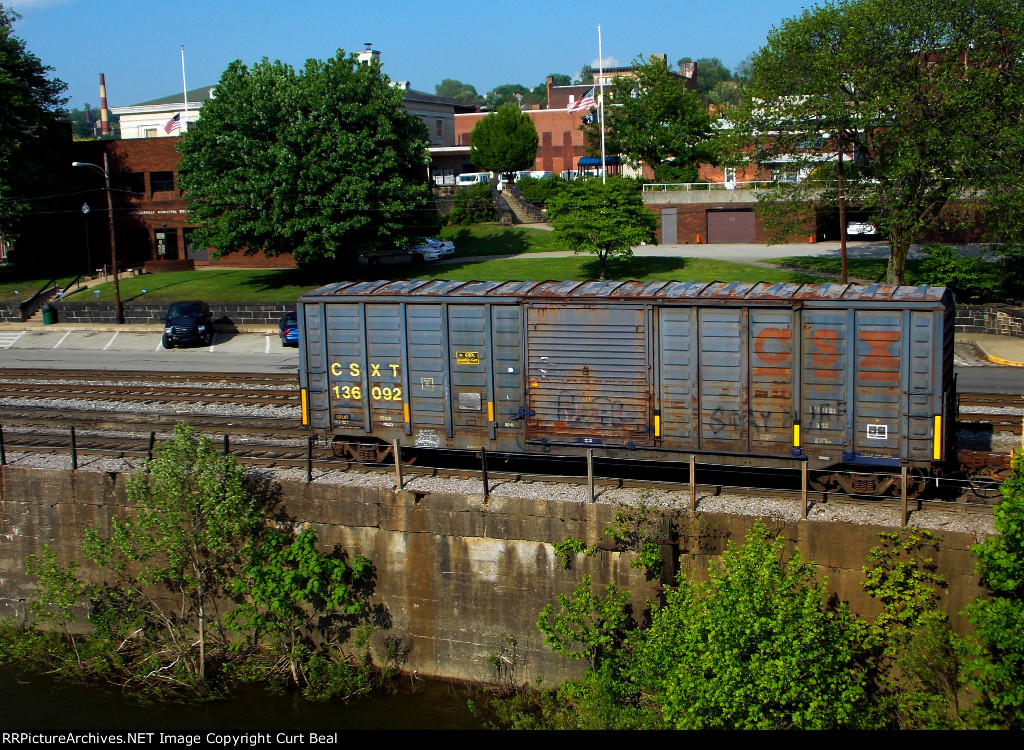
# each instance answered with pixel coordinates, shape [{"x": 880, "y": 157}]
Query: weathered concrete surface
[{"x": 457, "y": 576}]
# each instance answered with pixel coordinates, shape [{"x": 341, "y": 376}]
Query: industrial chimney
[{"x": 104, "y": 112}]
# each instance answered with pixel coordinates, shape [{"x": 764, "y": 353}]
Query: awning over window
[{"x": 595, "y": 161}]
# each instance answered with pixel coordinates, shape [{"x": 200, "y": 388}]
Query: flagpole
[
  {"x": 184, "y": 90},
  {"x": 600, "y": 77}
]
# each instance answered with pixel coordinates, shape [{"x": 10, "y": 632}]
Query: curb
[{"x": 994, "y": 359}]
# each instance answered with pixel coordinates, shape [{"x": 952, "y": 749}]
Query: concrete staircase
[{"x": 523, "y": 211}]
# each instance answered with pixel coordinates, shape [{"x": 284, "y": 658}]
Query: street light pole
[{"x": 105, "y": 171}]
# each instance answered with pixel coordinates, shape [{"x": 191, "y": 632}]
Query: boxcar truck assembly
[{"x": 856, "y": 380}]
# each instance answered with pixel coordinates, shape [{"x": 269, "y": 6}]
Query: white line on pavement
[
  {"x": 111, "y": 340},
  {"x": 62, "y": 339}
]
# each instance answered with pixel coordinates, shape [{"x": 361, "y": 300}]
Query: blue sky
[{"x": 137, "y": 43}]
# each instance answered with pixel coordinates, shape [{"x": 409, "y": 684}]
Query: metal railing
[{"x": 689, "y": 186}]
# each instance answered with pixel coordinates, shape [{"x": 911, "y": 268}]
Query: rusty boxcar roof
[{"x": 627, "y": 291}]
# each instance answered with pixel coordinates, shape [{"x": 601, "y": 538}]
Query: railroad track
[{"x": 315, "y": 459}]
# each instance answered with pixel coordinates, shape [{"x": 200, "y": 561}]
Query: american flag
[
  {"x": 584, "y": 102},
  {"x": 173, "y": 124}
]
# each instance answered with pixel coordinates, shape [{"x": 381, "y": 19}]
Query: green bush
[
  {"x": 539, "y": 191},
  {"x": 972, "y": 279},
  {"x": 472, "y": 205}
]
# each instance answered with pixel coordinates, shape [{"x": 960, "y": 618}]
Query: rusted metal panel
[
  {"x": 722, "y": 371},
  {"x": 824, "y": 384},
  {"x": 588, "y": 374},
  {"x": 677, "y": 374},
  {"x": 773, "y": 343},
  {"x": 877, "y": 402}
]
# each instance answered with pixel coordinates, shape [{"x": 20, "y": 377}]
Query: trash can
[{"x": 49, "y": 314}]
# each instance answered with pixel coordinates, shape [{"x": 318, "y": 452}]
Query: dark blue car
[{"x": 289, "y": 325}]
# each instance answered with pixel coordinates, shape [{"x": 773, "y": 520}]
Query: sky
[{"x": 137, "y": 44}]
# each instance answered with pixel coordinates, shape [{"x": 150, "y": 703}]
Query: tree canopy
[
  {"x": 321, "y": 163},
  {"x": 504, "y": 142},
  {"x": 926, "y": 99},
  {"x": 653, "y": 119},
  {"x": 32, "y": 103},
  {"x": 605, "y": 219},
  {"x": 463, "y": 93}
]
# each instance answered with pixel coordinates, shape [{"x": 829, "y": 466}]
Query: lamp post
[
  {"x": 105, "y": 171},
  {"x": 88, "y": 255}
]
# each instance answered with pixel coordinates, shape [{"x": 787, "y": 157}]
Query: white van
[{"x": 473, "y": 178}]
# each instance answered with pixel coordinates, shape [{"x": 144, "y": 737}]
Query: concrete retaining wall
[
  {"x": 224, "y": 313},
  {"x": 457, "y": 576}
]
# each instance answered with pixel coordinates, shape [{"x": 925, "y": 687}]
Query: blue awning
[{"x": 595, "y": 161}]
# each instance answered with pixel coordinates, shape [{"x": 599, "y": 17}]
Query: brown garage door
[{"x": 730, "y": 226}]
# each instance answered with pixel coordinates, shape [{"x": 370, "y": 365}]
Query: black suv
[{"x": 189, "y": 322}]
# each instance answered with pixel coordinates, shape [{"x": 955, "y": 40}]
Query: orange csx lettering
[
  {"x": 775, "y": 361},
  {"x": 825, "y": 352},
  {"x": 879, "y": 365}
]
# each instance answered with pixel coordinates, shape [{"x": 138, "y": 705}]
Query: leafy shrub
[
  {"x": 972, "y": 279},
  {"x": 472, "y": 205},
  {"x": 539, "y": 191}
]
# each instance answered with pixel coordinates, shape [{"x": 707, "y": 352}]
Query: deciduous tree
[
  {"x": 926, "y": 98},
  {"x": 504, "y": 142},
  {"x": 321, "y": 163},
  {"x": 605, "y": 219},
  {"x": 32, "y": 104},
  {"x": 651, "y": 118}
]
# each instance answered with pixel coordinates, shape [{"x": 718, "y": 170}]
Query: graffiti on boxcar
[
  {"x": 719, "y": 421},
  {"x": 573, "y": 408},
  {"x": 826, "y": 416},
  {"x": 767, "y": 420}
]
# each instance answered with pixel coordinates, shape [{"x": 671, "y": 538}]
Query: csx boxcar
[{"x": 854, "y": 379}]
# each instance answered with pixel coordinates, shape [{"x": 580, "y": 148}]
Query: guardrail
[{"x": 688, "y": 186}]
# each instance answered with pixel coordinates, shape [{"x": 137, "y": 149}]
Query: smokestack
[{"x": 104, "y": 112}]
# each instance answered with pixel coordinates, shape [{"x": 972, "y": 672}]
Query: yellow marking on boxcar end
[
  {"x": 405, "y": 411},
  {"x": 796, "y": 436},
  {"x": 490, "y": 411},
  {"x": 657, "y": 426},
  {"x": 304, "y": 406},
  {"x": 937, "y": 449}
]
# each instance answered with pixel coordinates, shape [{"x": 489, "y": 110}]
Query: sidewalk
[{"x": 1001, "y": 350}]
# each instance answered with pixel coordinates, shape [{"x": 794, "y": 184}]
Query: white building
[{"x": 155, "y": 119}]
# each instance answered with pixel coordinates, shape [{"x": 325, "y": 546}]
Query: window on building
[
  {"x": 439, "y": 127},
  {"x": 134, "y": 182},
  {"x": 161, "y": 181},
  {"x": 149, "y": 133}
]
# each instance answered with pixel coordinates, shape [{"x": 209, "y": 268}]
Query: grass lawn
[
  {"x": 19, "y": 290},
  {"x": 868, "y": 269},
  {"x": 496, "y": 239},
  {"x": 249, "y": 285}
]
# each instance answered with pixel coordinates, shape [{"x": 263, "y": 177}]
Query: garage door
[{"x": 730, "y": 226}]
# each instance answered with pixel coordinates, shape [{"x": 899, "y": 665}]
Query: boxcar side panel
[
  {"x": 588, "y": 374},
  {"x": 428, "y": 384},
  {"x": 347, "y": 365},
  {"x": 722, "y": 335},
  {"x": 509, "y": 398},
  {"x": 469, "y": 352},
  {"x": 313, "y": 365},
  {"x": 823, "y": 409},
  {"x": 878, "y": 401},
  {"x": 385, "y": 348},
  {"x": 772, "y": 344},
  {"x": 923, "y": 402},
  {"x": 677, "y": 374}
]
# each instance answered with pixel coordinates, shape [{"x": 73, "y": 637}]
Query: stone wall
[
  {"x": 224, "y": 313},
  {"x": 1000, "y": 320},
  {"x": 456, "y": 575}
]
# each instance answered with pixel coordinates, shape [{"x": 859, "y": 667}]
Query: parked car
[
  {"x": 447, "y": 247},
  {"x": 188, "y": 322},
  {"x": 861, "y": 228},
  {"x": 472, "y": 178},
  {"x": 289, "y": 328},
  {"x": 426, "y": 250}
]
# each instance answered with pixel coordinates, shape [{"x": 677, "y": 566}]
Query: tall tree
[
  {"x": 653, "y": 119},
  {"x": 504, "y": 142},
  {"x": 927, "y": 98},
  {"x": 32, "y": 104},
  {"x": 710, "y": 72},
  {"x": 320, "y": 163},
  {"x": 605, "y": 219},
  {"x": 463, "y": 93}
]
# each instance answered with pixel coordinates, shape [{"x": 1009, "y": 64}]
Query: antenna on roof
[{"x": 368, "y": 45}]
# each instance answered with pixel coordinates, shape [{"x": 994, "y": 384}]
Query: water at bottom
[{"x": 34, "y": 703}]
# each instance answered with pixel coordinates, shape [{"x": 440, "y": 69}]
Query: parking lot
[{"x": 135, "y": 341}]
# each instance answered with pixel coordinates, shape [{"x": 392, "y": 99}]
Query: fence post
[
  {"x": 693, "y": 483},
  {"x": 74, "y": 450},
  {"x": 590, "y": 472},
  {"x": 397, "y": 449},
  {"x": 227, "y": 444},
  {"x": 152, "y": 442},
  {"x": 803, "y": 485},
  {"x": 309, "y": 458},
  {"x": 483, "y": 470},
  {"x": 903, "y": 495}
]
